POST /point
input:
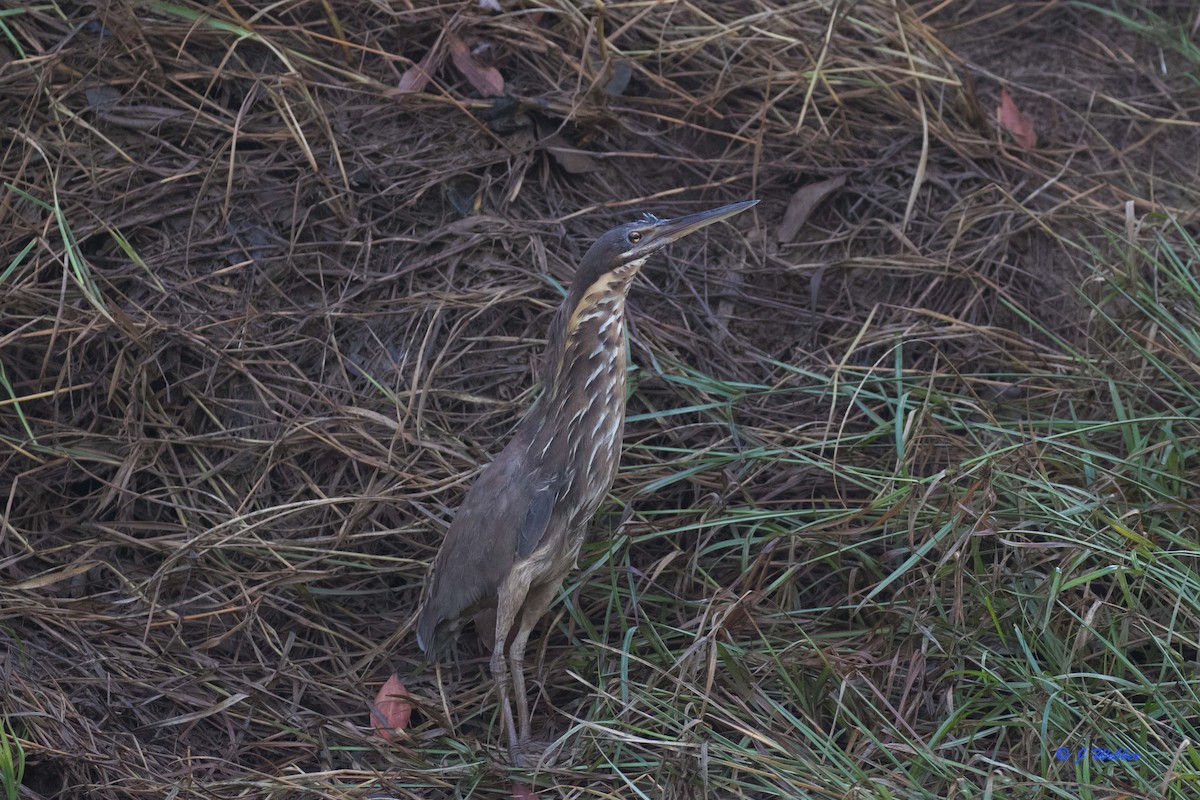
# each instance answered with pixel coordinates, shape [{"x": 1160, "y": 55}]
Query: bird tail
[
  {"x": 434, "y": 633},
  {"x": 426, "y": 630}
]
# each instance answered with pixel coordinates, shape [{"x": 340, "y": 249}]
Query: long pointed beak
[{"x": 669, "y": 230}]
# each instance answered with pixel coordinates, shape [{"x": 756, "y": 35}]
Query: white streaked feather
[{"x": 593, "y": 375}]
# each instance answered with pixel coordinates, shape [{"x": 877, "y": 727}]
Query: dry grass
[{"x": 255, "y": 340}]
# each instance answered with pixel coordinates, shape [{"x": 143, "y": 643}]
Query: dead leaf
[
  {"x": 622, "y": 73},
  {"x": 391, "y": 710},
  {"x": 102, "y": 98},
  {"x": 486, "y": 80},
  {"x": 106, "y": 102},
  {"x": 1016, "y": 123},
  {"x": 464, "y": 195},
  {"x": 740, "y": 614},
  {"x": 417, "y": 77},
  {"x": 523, "y": 791},
  {"x": 204, "y": 713},
  {"x": 803, "y": 203},
  {"x": 54, "y": 576},
  {"x": 572, "y": 159},
  {"x": 414, "y": 80}
]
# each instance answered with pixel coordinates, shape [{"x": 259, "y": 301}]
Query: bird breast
[{"x": 583, "y": 437}]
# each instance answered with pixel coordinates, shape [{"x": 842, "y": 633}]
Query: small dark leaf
[
  {"x": 102, "y": 98},
  {"x": 463, "y": 193},
  {"x": 574, "y": 161},
  {"x": 619, "y": 82}
]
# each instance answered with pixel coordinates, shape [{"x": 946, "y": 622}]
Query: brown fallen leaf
[
  {"x": 803, "y": 203},
  {"x": 417, "y": 77},
  {"x": 486, "y": 80},
  {"x": 391, "y": 710},
  {"x": 1016, "y": 123}
]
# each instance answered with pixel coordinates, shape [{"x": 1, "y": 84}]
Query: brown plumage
[{"x": 518, "y": 531}]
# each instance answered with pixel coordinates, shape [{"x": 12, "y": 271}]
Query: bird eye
[{"x": 634, "y": 237}]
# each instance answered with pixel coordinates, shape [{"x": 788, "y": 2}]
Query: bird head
[
  {"x": 625, "y": 248},
  {"x": 609, "y": 267}
]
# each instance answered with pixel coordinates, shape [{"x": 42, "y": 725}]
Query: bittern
[{"x": 519, "y": 530}]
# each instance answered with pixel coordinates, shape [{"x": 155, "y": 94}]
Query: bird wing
[
  {"x": 537, "y": 519},
  {"x": 504, "y": 516}
]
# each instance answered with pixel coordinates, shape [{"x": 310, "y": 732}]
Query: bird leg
[
  {"x": 500, "y": 673},
  {"x": 506, "y": 612},
  {"x": 516, "y": 665},
  {"x": 536, "y": 603}
]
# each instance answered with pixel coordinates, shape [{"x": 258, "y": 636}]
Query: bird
[{"x": 519, "y": 530}]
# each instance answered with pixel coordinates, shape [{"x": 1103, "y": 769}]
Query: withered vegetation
[{"x": 908, "y": 501}]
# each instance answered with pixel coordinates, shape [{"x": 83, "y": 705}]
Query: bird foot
[{"x": 529, "y": 754}]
